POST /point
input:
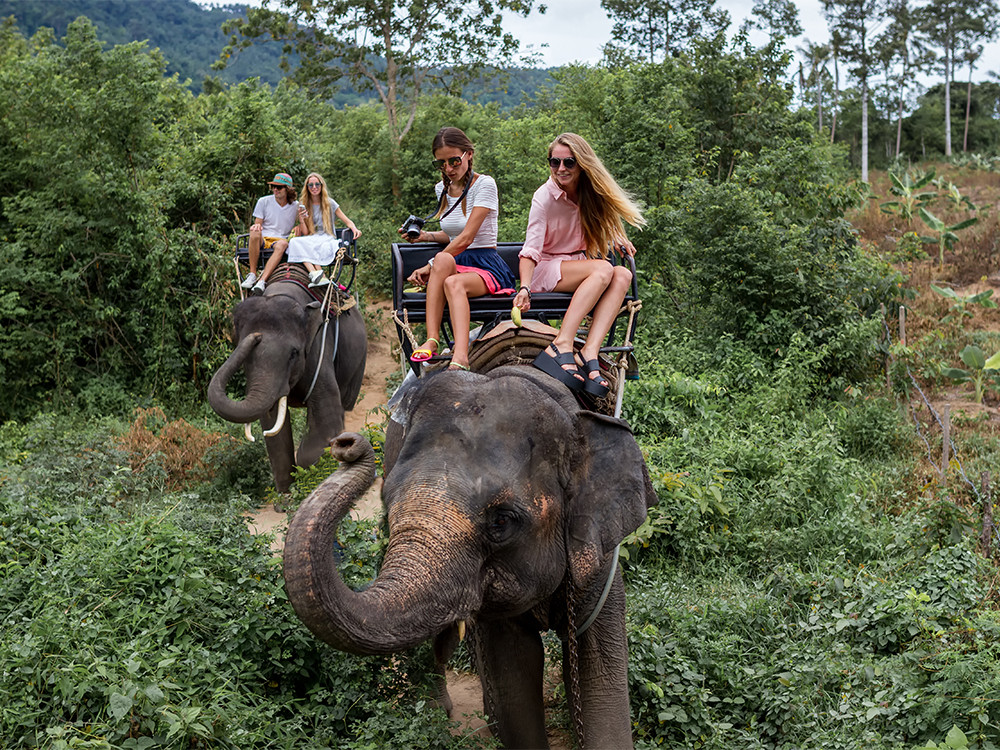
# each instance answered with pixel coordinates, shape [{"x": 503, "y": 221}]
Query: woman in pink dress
[{"x": 577, "y": 217}]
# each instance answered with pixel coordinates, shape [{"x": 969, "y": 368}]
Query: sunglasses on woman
[
  {"x": 452, "y": 161},
  {"x": 314, "y": 184},
  {"x": 569, "y": 162}
]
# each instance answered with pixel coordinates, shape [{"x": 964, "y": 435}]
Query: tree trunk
[
  {"x": 864, "y": 130},
  {"x": 968, "y": 109},
  {"x": 947, "y": 101}
]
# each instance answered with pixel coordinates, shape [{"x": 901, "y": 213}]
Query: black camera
[{"x": 413, "y": 226}]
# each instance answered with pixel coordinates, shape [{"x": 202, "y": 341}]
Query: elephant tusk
[
  {"x": 461, "y": 630},
  {"x": 280, "y": 421},
  {"x": 246, "y": 431}
]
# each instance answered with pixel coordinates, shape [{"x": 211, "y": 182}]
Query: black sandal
[
  {"x": 594, "y": 386},
  {"x": 553, "y": 365}
]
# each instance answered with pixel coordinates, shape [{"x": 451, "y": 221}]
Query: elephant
[
  {"x": 505, "y": 503},
  {"x": 283, "y": 339}
]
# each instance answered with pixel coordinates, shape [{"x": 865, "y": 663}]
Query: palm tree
[{"x": 817, "y": 55}]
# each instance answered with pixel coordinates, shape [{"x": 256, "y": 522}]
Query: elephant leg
[
  {"x": 603, "y": 665},
  {"x": 325, "y": 420},
  {"x": 280, "y": 450},
  {"x": 511, "y": 661}
]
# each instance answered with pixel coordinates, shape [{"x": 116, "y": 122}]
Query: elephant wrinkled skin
[
  {"x": 281, "y": 340},
  {"x": 499, "y": 489}
]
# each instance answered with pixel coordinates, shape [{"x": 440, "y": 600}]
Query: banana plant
[
  {"x": 945, "y": 235},
  {"x": 909, "y": 189},
  {"x": 955, "y": 197},
  {"x": 979, "y": 366},
  {"x": 961, "y": 304}
]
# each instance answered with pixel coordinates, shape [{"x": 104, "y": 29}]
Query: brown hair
[
  {"x": 452, "y": 138},
  {"x": 603, "y": 203}
]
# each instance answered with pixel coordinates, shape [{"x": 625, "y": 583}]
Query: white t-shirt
[
  {"x": 279, "y": 221},
  {"x": 482, "y": 193},
  {"x": 317, "y": 217}
]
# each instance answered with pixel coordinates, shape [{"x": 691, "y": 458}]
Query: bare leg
[
  {"x": 458, "y": 288},
  {"x": 606, "y": 311},
  {"x": 277, "y": 254},
  {"x": 253, "y": 247},
  {"x": 587, "y": 280},
  {"x": 444, "y": 266}
]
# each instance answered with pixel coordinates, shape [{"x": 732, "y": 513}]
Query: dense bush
[{"x": 135, "y": 617}]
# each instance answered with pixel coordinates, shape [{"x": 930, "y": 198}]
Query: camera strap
[{"x": 472, "y": 178}]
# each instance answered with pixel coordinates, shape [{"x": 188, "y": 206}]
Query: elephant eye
[{"x": 502, "y": 524}]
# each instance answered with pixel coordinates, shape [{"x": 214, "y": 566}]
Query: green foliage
[
  {"x": 134, "y": 617},
  {"x": 944, "y": 235},
  {"x": 909, "y": 189},
  {"x": 960, "y": 304},
  {"x": 980, "y": 368}
]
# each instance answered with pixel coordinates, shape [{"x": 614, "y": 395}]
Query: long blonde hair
[
  {"x": 603, "y": 203},
  {"x": 324, "y": 202}
]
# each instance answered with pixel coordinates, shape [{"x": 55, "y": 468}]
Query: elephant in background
[
  {"x": 502, "y": 496},
  {"x": 291, "y": 357}
]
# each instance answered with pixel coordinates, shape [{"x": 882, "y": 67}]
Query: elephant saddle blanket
[{"x": 335, "y": 297}]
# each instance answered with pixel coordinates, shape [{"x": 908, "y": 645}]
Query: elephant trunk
[
  {"x": 398, "y": 610},
  {"x": 258, "y": 400}
]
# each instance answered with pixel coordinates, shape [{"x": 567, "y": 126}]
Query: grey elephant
[
  {"x": 505, "y": 503},
  {"x": 293, "y": 355}
]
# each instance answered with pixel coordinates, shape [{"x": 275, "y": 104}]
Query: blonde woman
[
  {"x": 318, "y": 247},
  {"x": 575, "y": 218}
]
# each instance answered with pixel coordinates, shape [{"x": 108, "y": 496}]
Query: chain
[{"x": 576, "y": 708}]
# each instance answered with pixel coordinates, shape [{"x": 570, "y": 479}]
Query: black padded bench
[{"x": 488, "y": 310}]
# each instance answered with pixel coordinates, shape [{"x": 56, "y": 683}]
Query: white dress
[{"x": 320, "y": 247}]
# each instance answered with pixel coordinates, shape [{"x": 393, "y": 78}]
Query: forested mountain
[
  {"x": 188, "y": 35},
  {"x": 190, "y": 38}
]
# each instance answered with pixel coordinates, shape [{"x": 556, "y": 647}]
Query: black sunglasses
[
  {"x": 452, "y": 161},
  {"x": 569, "y": 162}
]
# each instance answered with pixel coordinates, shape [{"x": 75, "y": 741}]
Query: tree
[
  {"x": 949, "y": 25},
  {"x": 855, "y": 21},
  {"x": 400, "y": 49},
  {"x": 970, "y": 57},
  {"x": 898, "y": 43},
  {"x": 817, "y": 56},
  {"x": 777, "y": 18},
  {"x": 658, "y": 28}
]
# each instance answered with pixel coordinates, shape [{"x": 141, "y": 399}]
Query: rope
[{"x": 404, "y": 326}]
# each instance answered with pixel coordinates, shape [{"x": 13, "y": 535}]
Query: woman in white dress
[{"x": 318, "y": 247}]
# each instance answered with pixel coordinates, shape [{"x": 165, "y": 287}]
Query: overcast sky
[{"x": 576, "y": 30}]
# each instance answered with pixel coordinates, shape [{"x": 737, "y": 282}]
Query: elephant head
[
  {"x": 499, "y": 490},
  {"x": 290, "y": 355}
]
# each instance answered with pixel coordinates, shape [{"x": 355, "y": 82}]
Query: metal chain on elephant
[{"x": 576, "y": 704}]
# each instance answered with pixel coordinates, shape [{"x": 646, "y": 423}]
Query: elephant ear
[
  {"x": 314, "y": 319},
  {"x": 609, "y": 492}
]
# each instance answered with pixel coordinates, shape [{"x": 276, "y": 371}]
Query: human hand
[
  {"x": 354, "y": 228},
  {"x": 255, "y": 229},
  {"x": 522, "y": 300},
  {"x": 420, "y": 276},
  {"x": 625, "y": 248}
]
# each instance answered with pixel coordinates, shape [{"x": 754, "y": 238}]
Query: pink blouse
[{"x": 554, "y": 234}]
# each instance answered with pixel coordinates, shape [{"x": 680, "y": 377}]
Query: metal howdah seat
[
  {"x": 409, "y": 306},
  {"x": 241, "y": 258}
]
